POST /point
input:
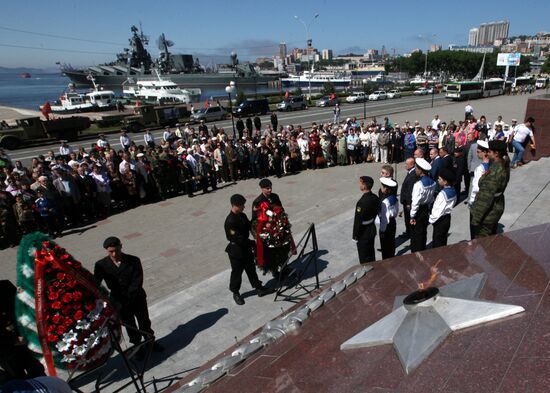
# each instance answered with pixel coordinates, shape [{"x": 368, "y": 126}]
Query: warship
[{"x": 135, "y": 63}]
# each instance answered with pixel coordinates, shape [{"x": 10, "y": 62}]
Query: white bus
[
  {"x": 464, "y": 90},
  {"x": 522, "y": 81},
  {"x": 493, "y": 87},
  {"x": 541, "y": 83}
]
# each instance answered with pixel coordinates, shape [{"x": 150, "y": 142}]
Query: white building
[
  {"x": 472, "y": 37},
  {"x": 487, "y": 33},
  {"x": 326, "y": 54}
]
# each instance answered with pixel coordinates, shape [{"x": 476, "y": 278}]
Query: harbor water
[{"x": 30, "y": 93}]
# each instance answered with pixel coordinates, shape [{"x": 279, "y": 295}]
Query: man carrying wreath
[{"x": 271, "y": 229}]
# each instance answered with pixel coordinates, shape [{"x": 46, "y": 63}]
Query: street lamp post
[
  {"x": 309, "y": 45},
  {"x": 365, "y": 99},
  {"x": 231, "y": 89}
]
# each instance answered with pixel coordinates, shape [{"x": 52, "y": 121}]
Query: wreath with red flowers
[{"x": 60, "y": 310}]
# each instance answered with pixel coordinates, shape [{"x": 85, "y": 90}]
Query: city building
[
  {"x": 472, "y": 36},
  {"x": 326, "y": 54},
  {"x": 282, "y": 50},
  {"x": 435, "y": 48},
  {"x": 487, "y": 33},
  {"x": 475, "y": 49}
]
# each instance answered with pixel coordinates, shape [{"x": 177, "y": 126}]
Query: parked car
[
  {"x": 378, "y": 95},
  {"x": 327, "y": 101},
  {"x": 292, "y": 103},
  {"x": 356, "y": 97},
  {"x": 421, "y": 92},
  {"x": 210, "y": 114},
  {"x": 252, "y": 107},
  {"x": 394, "y": 94}
]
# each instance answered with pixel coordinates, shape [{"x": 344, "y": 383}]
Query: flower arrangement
[
  {"x": 60, "y": 310},
  {"x": 273, "y": 237}
]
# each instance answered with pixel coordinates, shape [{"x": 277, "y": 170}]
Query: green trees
[
  {"x": 546, "y": 66},
  {"x": 328, "y": 88},
  {"x": 461, "y": 64}
]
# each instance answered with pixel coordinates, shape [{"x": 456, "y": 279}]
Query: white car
[
  {"x": 356, "y": 97},
  {"x": 211, "y": 113},
  {"x": 421, "y": 92},
  {"x": 394, "y": 94},
  {"x": 378, "y": 95}
]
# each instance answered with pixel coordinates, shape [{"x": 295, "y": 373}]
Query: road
[{"x": 305, "y": 118}]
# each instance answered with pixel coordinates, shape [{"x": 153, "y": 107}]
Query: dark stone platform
[
  {"x": 509, "y": 355},
  {"x": 539, "y": 109}
]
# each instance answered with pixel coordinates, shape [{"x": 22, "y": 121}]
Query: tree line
[{"x": 458, "y": 64}]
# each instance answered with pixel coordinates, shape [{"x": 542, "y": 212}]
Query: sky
[{"x": 90, "y": 32}]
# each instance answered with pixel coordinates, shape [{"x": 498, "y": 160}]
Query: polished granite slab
[{"x": 509, "y": 355}]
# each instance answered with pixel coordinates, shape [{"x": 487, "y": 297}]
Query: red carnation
[
  {"x": 77, "y": 296},
  {"x": 78, "y": 315},
  {"x": 68, "y": 321},
  {"x": 46, "y": 244},
  {"x": 57, "y": 305},
  {"x": 56, "y": 284},
  {"x": 57, "y": 319},
  {"x": 62, "y": 284},
  {"x": 61, "y": 330},
  {"x": 52, "y": 338},
  {"x": 65, "y": 256},
  {"x": 67, "y": 298},
  {"x": 51, "y": 328},
  {"x": 90, "y": 306},
  {"x": 53, "y": 295},
  {"x": 60, "y": 276}
]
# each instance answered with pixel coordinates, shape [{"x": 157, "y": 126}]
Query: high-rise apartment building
[
  {"x": 487, "y": 33},
  {"x": 326, "y": 54},
  {"x": 282, "y": 50}
]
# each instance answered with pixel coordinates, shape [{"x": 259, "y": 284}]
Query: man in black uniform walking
[
  {"x": 364, "y": 230},
  {"x": 123, "y": 275},
  {"x": 239, "y": 249}
]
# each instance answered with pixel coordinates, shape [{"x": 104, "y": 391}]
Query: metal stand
[
  {"x": 305, "y": 259},
  {"x": 136, "y": 373}
]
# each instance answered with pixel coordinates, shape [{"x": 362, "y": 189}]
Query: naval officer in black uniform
[
  {"x": 364, "y": 230},
  {"x": 239, "y": 249},
  {"x": 123, "y": 275}
]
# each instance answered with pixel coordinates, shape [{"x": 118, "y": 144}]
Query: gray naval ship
[{"x": 136, "y": 63}]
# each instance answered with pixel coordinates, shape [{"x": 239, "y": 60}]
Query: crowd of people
[{"x": 73, "y": 186}]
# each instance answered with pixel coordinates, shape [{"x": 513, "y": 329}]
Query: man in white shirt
[
  {"x": 102, "y": 142},
  {"x": 519, "y": 140},
  {"x": 436, "y": 122},
  {"x": 65, "y": 149},
  {"x": 126, "y": 164},
  {"x": 468, "y": 111},
  {"x": 125, "y": 140}
]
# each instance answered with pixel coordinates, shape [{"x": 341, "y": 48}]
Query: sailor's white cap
[
  {"x": 423, "y": 164},
  {"x": 389, "y": 182}
]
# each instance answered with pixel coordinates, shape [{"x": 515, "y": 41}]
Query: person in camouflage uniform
[
  {"x": 488, "y": 206},
  {"x": 159, "y": 168}
]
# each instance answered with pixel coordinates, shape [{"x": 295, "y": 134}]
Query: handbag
[
  {"x": 370, "y": 158},
  {"x": 320, "y": 161}
]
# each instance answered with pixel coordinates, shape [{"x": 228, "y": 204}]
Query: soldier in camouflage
[{"x": 488, "y": 205}]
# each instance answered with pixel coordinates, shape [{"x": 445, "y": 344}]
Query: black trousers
[
  {"x": 365, "y": 244},
  {"x": 419, "y": 232},
  {"x": 387, "y": 240},
  {"x": 136, "y": 310},
  {"x": 407, "y": 218},
  {"x": 441, "y": 231},
  {"x": 237, "y": 267}
]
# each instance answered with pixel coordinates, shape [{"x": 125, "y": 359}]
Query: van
[
  {"x": 292, "y": 103},
  {"x": 252, "y": 107}
]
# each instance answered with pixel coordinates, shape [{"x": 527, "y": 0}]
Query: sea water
[{"x": 30, "y": 93}]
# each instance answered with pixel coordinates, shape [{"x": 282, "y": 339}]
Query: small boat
[
  {"x": 25, "y": 75},
  {"x": 71, "y": 102},
  {"x": 100, "y": 98},
  {"x": 158, "y": 91}
]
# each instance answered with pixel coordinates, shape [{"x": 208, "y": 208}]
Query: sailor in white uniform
[
  {"x": 483, "y": 154},
  {"x": 389, "y": 209},
  {"x": 440, "y": 216},
  {"x": 422, "y": 198}
]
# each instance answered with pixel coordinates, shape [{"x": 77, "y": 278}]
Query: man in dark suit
[
  {"x": 239, "y": 249},
  {"x": 436, "y": 163},
  {"x": 364, "y": 229},
  {"x": 123, "y": 275},
  {"x": 406, "y": 194}
]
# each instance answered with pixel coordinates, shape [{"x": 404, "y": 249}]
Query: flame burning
[{"x": 434, "y": 272}]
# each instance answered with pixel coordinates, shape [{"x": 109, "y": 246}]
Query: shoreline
[{"x": 10, "y": 114}]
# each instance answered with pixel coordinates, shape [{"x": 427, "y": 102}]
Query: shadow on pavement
[{"x": 114, "y": 370}]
